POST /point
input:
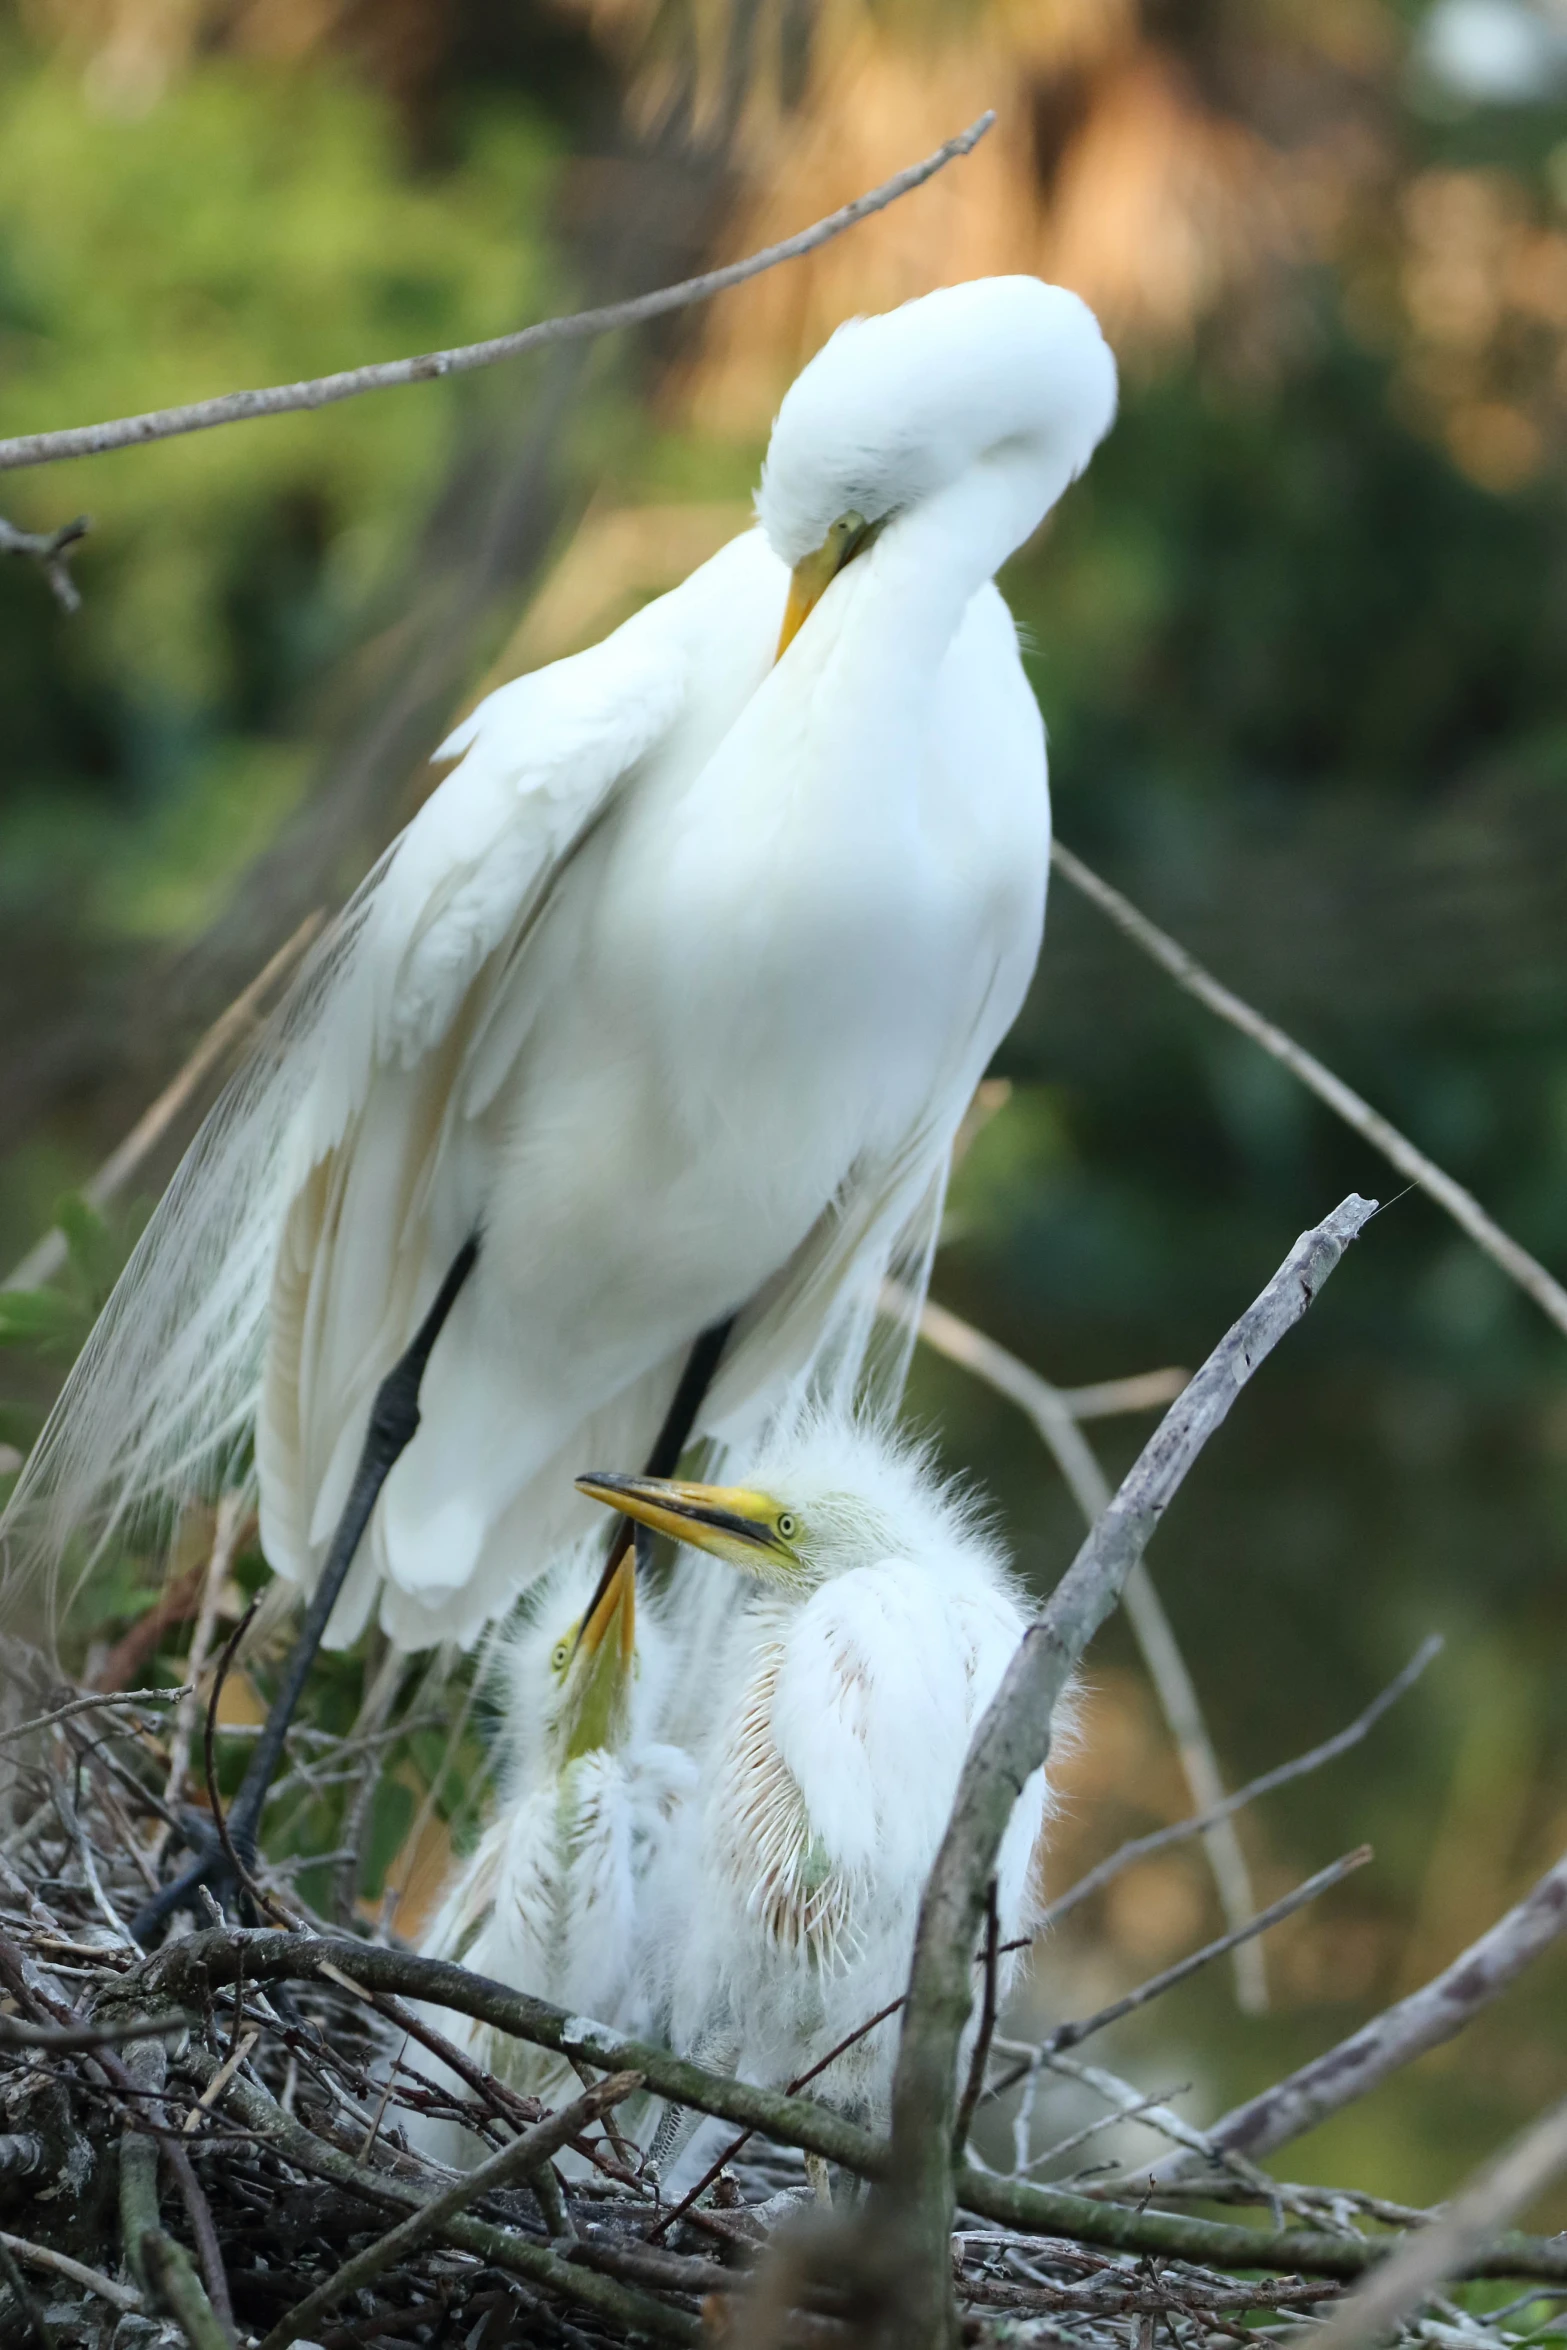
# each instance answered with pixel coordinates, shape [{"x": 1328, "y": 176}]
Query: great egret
[
  {"x": 784, "y": 1900},
  {"x": 550, "y": 1901},
  {"x": 673, "y": 994}
]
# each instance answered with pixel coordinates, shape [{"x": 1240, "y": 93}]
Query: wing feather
[{"x": 170, "y": 1381}]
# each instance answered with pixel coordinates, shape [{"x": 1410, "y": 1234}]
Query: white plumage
[
  {"x": 783, "y": 1899},
  {"x": 676, "y": 990},
  {"x": 551, "y": 1900}
]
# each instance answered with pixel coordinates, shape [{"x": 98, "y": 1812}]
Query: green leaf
[{"x": 44, "y": 1319}]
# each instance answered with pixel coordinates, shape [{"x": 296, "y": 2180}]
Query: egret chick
[
  {"x": 884, "y": 1616},
  {"x": 550, "y": 1900}
]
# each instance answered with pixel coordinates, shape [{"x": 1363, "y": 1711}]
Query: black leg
[
  {"x": 695, "y": 1380},
  {"x": 394, "y": 1422}
]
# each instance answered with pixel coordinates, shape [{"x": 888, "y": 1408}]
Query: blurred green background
[{"x": 1301, "y": 641}]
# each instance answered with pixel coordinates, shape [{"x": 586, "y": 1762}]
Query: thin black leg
[
  {"x": 394, "y": 1422},
  {"x": 673, "y": 1437}
]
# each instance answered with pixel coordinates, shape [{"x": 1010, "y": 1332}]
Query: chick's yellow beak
[
  {"x": 602, "y": 1664},
  {"x": 730, "y": 1521},
  {"x": 612, "y": 1620},
  {"x": 810, "y": 579}
]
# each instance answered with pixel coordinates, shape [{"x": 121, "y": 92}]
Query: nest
[{"x": 207, "y": 2146}]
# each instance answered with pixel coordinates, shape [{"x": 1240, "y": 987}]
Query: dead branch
[
  {"x": 161, "y": 424},
  {"x": 1160, "y": 1839},
  {"x": 518, "y": 2160},
  {"x": 1423, "y": 2261},
  {"x": 1394, "y": 2038},
  {"x": 1013, "y": 1741},
  {"x": 89, "y": 1705},
  {"x": 1070, "y": 2035},
  {"x": 1057, "y": 1426},
  {"x": 50, "y": 550},
  {"x": 1465, "y": 1210}
]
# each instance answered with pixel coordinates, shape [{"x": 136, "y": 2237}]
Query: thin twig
[
  {"x": 1011, "y": 1743},
  {"x": 50, "y": 550},
  {"x": 501, "y": 2248},
  {"x": 1112, "y": 1399},
  {"x": 1465, "y": 1210},
  {"x": 1394, "y": 2038},
  {"x": 44, "y": 1260},
  {"x": 159, "y": 424},
  {"x": 1069, "y": 2035},
  {"x": 980, "y": 2055},
  {"x": 91, "y": 1705},
  {"x": 76, "y": 2272},
  {"x": 228, "y": 1522},
  {"x": 1160, "y": 1839},
  {"x": 1425, "y": 2260},
  {"x": 1057, "y": 1426},
  {"x": 524, "y": 2155}
]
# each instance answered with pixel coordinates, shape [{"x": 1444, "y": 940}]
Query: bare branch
[
  {"x": 161, "y": 424},
  {"x": 1160, "y": 1839},
  {"x": 514, "y": 2161},
  {"x": 1057, "y": 1425},
  {"x": 502, "y": 2248},
  {"x": 1395, "y": 2037},
  {"x": 1425, "y": 2260},
  {"x": 77, "y": 2272},
  {"x": 90, "y": 1705},
  {"x": 1013, "y": 1741},
  {"x": 1465, "y": 1210},
  {"x": 50, "y": 550},
  {"x": 1069, "y": 2035}
]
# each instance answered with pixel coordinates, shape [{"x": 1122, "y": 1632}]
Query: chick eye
[
  {"x": 788, "y": 1525},
  {"x": 561, "y": 1656}
]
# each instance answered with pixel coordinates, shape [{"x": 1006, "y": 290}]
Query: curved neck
[{"x": 929, "y": 562}]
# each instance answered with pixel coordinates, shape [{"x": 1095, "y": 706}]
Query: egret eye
[
  {"x": 560, "y": 1656},
  {"x": 788, "y": 1525}
]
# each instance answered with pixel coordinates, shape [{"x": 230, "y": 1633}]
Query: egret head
[
  {"x": 1003, "y": 372},
  {"x": 827, "y": 1496},
  {"x": 573, "y": 1673}
]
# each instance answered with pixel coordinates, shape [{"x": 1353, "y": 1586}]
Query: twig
[
  {"x": 90, "y": 1705},
  {"x": 228, "y": 1521},
  {"x": 1056, "y": 1425},
  {"x": 242, "y": 1875},
  {"x": 159, "y": 424},
  {"x": 1111, "y": 1399},
  {"x": 1012, "y": 1742},
  {"x": 1160, "y": 1839},
  {"x": 980, "y": 2055},
  {"x": 736, "y": 2145},
  {"x": 62, "y": 2039},
  {"x": 43, "y": 1261},
  {"x": 1069, "y": 2035},
  {"x": 33, "y": 2317},
  {"x": 1423, "y": 2261},
  {"x": 50, "y": 550},
  {"x": 526, "y": 2154},
  {"x": 1465, "y": 1210},
  {"x": 1395, "y": 2037},
  {"x": 76, "y": 2272},
  {"x": 501, "y": 2248}
]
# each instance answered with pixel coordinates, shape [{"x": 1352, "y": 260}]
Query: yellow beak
[
  {"x": 614, "y": 1612},
  {"x": 730, "y": 1521},
  {"x": 602, "y": 1664},
  {"x": 810, "y": 579}
]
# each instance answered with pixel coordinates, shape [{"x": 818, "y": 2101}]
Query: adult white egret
[
  {"x": 785, "y": 1900},
  {"x": 550, "y": 1900},
  {"x": 674, "y": 993}
]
